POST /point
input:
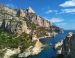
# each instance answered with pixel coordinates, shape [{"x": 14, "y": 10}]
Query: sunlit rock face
[
  {"x": 13, "y": 25},
  {"x": 17, "y": 20},
  {"x": 47, "y": 23},
  {"x": 37, "y": 48},
  {"x": 10, "y": 11},
  {"x": 21, "y": 13},
  {"x": 34, "y": 38},
  {"x": 32, "y": 50},
  {"x": 37, "y": 19},
  {"x": 7, "y": 10},
  {"x": 30, "y": 10},
  {"x": 40, "y": 21},
  {"x": 23, "y": 28},
  {"x": 11, "y": 52},
  {"x": 14, "y": 20}
]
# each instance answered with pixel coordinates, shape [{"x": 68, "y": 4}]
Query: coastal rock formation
[
  {"x": 37, "y": 48},
  {"x": 68, "y": 47},
  {"x": 32, "y": 50},
  {"x": 7, "y": 10},
  {"x": 30, "y": 10},
  {"x": 24, "y": 20},
  {"x": 58, "y": 47},
  {"x": 14, "y": 20},
  {"x": 25, "y": 25},
  {"x": 11, "y": 52},
  {"x": 17, "y": 20}
]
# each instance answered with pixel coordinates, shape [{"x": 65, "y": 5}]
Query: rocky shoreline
[
  {"x": 32, "y": 50},
  {"x": 67, "y": 49}
]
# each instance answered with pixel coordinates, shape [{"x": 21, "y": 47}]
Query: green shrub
[{"x": 12, "y": 41}]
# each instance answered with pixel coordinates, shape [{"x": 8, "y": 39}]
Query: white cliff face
[
  {"x": 30, "y": 10},
  {"x": 37, "y": 48},
  {"x": 8, "y": 10},
  {"x": 10, "y": 52},
  {"x": 34, "y": 38},
  {"x": 26, "y": 53},
  {"x": 40, "y": 21},
  {"x": 22, "y": 13},
  {"x": 70, "y": 34},
  {"x": 46, "y": 23},
  {"x": 15, "y": 25},
  {"x": 12, "y": 22},
  {"x": 59, "y": 51},
  {"x": 58, "y": 46},
  {"x": 23, "y": 28}
]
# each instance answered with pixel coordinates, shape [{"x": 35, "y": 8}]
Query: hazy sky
[{"x": 61, "y": 12}]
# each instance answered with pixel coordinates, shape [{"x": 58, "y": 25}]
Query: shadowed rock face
[
  {"x": 68, "y": 47},
  {"x": 15, "y": 26}
]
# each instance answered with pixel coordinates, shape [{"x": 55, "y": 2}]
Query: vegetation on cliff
[
  {"x": 17, "y": 28},
  {"x": 8, "y": 40}
]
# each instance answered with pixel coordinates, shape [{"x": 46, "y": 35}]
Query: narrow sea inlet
[{"x": 50, "y": 51}]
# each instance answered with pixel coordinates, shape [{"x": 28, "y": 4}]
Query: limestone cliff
[
  {"x": 22, "y": 20},
  {"x": 21, "y": 27}
]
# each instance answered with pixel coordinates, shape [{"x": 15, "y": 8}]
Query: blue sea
[{"x": 50, "y": 52}]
